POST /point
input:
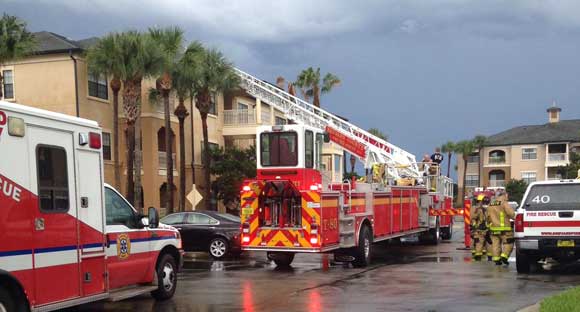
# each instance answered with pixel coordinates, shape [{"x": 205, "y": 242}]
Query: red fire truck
[
  {"x": 293, "y": 207},
  {"x": 66, "y": 238}
]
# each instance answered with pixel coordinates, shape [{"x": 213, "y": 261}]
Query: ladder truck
[{"x": 292, "y": 207}]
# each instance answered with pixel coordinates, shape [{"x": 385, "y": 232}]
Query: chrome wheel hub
[
  {"x": 3, "y": 308},
  {"x": 168, "y": 277},
  {"x": 367, "y": 247},
  {"x": 217, "y": 248}
]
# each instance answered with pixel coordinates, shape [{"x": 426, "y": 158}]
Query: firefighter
[
  {"x": 487, "y": 239},
  {"x": 499, "y": 214},
  {"x": 478, "y": 229}
]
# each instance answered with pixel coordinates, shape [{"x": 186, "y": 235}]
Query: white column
[{"x": 258, "y": 111}]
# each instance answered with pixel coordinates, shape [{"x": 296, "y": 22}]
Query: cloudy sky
[{"x": 423, "y": 71}]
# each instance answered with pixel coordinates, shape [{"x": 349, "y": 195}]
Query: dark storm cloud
[{"x": 422, "y": 71}]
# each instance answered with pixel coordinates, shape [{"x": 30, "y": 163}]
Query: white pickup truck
[{"x": 547, "y": 224}]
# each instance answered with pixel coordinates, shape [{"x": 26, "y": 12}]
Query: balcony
[
  {"x": 495, "y": 160},
  {"x": 162, "y": 156},
  {"x": 497, "y": 183},
  {"x": 237, "y": 117},
  {"x": 556, "y": 159}
]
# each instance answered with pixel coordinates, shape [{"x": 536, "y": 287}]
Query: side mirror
[
  {"x": 153, "y": 218},
  {"x": 326, "y": 137}
]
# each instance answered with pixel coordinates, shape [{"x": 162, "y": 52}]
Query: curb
[{"x": 532, "y": 308}]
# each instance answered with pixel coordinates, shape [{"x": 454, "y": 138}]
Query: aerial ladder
[{"x": 369, "y": 149}]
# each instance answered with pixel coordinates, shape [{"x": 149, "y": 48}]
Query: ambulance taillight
[
  {"x": 94, "y": 140},
  {"x": 519, "y": 223}
]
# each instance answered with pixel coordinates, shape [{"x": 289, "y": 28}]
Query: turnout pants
[
  {"x": 479, "y": 243},
  {"x": 502, "y": 245}
]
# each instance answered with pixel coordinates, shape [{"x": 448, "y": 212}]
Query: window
[
  {"x": 98, "y": 86},
  {"x": 337, "y": 167},
  {"x": 309, "y": 149},
  {"x": 529, "y": 176},
  {"x": 213, "y": 105},
  {"x": 473, "y": 158},
  {"x": 242, "y": 105},
  {"x": 529, "y": 153},
  {"x": 280, "y": 121},
  {"x": 118, "y": 210},
  {"x": 472, "y": 180},
  {"x": 553, "y": 197},
  {"x": 51, "y": 166},
  {"x": 8, "y": 81},
  {"x": 319, "y": 142},
  {"x": 278, "y": 149},
  {"x": 171, "y": 219},
  {"x": 106, "y": 146},
  {"x": 497, "y": 157},
  {"x": 198, "y": 218}
]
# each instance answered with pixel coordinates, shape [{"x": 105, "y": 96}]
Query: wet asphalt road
[{"x": 410, "y": 277}]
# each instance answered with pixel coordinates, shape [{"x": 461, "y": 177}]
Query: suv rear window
[{"x": 553, "y": 197}]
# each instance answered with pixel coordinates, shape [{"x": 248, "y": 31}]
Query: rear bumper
[
  {"x": 547, "y": 246},
  {"x": 295, "y": 250}
]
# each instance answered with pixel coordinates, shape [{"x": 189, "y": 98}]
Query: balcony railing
[
  {"x": 163, "y": 160},
  {"x": 557, "y": 157},
  {"x": 497, "y": 183},
  {"x": 497, "y": 159},
  {"x": 235, "y": 117}
]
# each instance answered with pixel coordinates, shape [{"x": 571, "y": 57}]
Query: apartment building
[
  {"x": 531, "y": 153},
  {"x": 56, "y": 78}
]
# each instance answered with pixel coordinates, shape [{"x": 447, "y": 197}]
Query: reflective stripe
[
  {"x": 504, "y": 255},
  {"x": 502, "y": 219},
  {"x": 498, "y": 229},
  {"x": 496, "y": 258}
]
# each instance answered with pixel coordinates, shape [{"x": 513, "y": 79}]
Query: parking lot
[{"x": 408, "y": 277}]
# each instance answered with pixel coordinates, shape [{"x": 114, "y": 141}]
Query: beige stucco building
[
  {"x": 56, "y": 78},
  {"x": 530, "y": 153}
]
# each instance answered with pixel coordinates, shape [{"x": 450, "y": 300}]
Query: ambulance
[
  {"x": 66, "y": 237},
  {"x": 547, "y": 224}
]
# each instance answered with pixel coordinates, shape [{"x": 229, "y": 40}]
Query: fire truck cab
[
  {"x": 292, "y": 207},
  {"x": 67, "y": 238}
]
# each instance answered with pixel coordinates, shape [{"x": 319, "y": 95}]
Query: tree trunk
[
  {"x": 130, "y": 162},
  {"x": 181, "y": 113},
  {"x": 479, "y": 166},
  {"x": 206, "y": 158},
  {"x": 1, "y": 86},
  {"x": 116, "y": 87},
  {"x": 316, "y": 92},
  {"x": 449, "y": 163},
  {"x": 138, "y": 164},
  {"x": 168, "y": 151},
  {"x": 192, "y": 145},
  {"x": 464, "y": 189}
]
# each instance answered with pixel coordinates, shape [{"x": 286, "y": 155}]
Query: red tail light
[
  {"x": 94, "y": 140},
  {"x": 314, "y": 234},
  {"x": 519, "y": 224}
]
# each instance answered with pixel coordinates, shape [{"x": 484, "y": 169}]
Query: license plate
[
  {"x": 248, "y": 211},
  {"x": 565, "y": 243}
]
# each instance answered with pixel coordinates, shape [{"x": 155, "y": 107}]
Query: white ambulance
[
  {"x": 547, "y": 223},
  {"x": 66, "y": 238}
]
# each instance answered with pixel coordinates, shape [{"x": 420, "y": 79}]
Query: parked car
[{"x": 214, "y": 232}]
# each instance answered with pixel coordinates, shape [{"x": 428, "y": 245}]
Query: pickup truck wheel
[
  {"x": 166, "y": 278},
  {"x": 9, "y": 303},
  {"x": 523, "y": 264},
  {"x": 363, "y": 252},
  {"x": 218, "y": 248}
]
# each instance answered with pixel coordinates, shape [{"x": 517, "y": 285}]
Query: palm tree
[
  {"x": 170, "y": 40},
  {"x": 15, "y": 41},
  {"x": 183, "y": 79},
  {"x": 309, "y": 83},
  {"x": 479, "y": 142},
  {"x": 448, "y": 148},
  {"x": 142, "y": 58},
  {"x": 465, "y": 148},
  {"x": 378, "y": 133},
  {"x": 213, "y": 73},
  {"x": 104, "y": 58}
]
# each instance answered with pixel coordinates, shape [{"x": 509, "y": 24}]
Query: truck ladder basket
[{"x": 400, "y": 162}]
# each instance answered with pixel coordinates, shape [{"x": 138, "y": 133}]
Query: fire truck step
[
  {"x": 346, "y": 233},
  {"x": 126, "y": 293}
]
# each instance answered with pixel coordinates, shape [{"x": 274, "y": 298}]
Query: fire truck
[
  {"x": 67, "y": 238},
  {"x": 293, "y": 207}
]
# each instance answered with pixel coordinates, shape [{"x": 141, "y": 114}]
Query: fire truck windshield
[{"x": 278, "y": 149}]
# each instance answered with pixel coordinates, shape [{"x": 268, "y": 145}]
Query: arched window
[
  {"x": 164, "y": 195},
  {"x": 497, "y": 157},
  {"x": 161, "y": 140},
  {"x": 496, "y": 178}
]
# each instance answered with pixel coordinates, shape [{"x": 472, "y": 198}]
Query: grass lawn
[{"x": 566, "y": 301}]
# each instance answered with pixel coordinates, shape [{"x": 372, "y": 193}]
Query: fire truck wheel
[
  {"x": 363, "y": 252},
  {"x": 166, "y": 278},
  {"x": 218, "y": 248},
  {"x": 447, "y": 233},
  {"x": 523, "y": 263},
  {"x": 7, "y": 303},
  {"x": 431, "y": 237},
  {"x": 282, "y": 259}
]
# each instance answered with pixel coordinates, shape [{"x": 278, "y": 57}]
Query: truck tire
[
  {"x": 447, "y": 233},
  {"x": 432, "y": 236},
  {"x": 166, "y": 278},
  {"x": 218, "y": 248},
  {"x": 282, "y": 259},
  {"x": 363, "y": 252},
  {"x": 9, "y": 302},
  {"x": 523, "y": 263}
]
